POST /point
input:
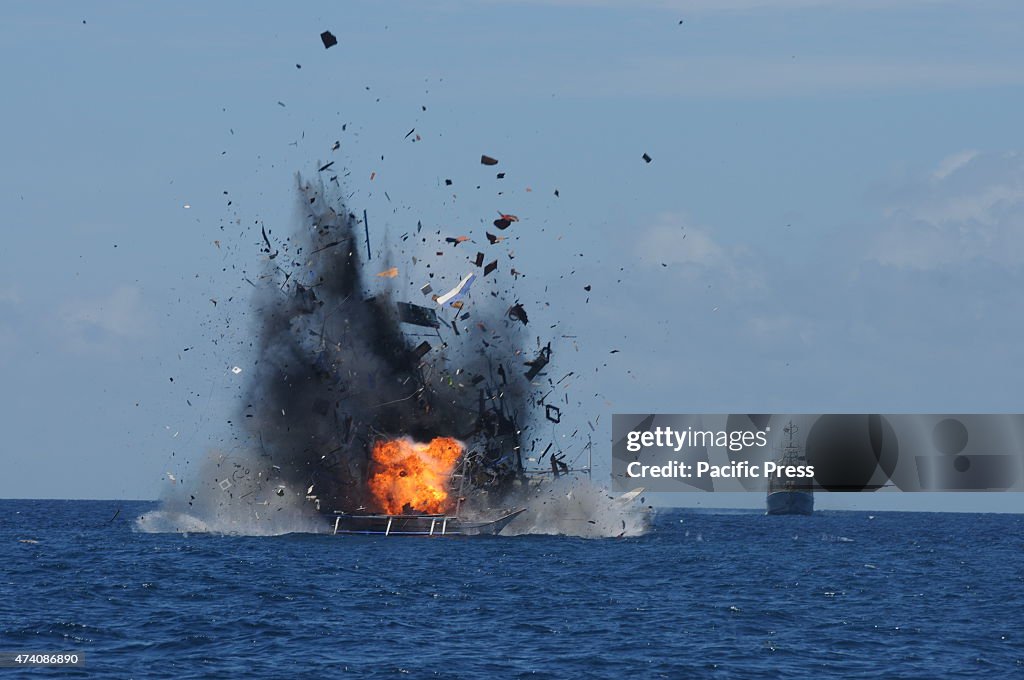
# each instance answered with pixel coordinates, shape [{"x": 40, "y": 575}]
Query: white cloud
[
  {"x": 771, "y": 76},
  {"x": 970, "y": 207},
  {"x": 104, "y": 322},
  {"x": 783, "y": 329},
  {"x": 950, "y": 164},
  {"x": 671, "y": 241}
]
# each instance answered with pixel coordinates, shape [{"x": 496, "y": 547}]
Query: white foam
[
  {"x": 223, "y": 501},
  {"x": 576, "y": 507}
]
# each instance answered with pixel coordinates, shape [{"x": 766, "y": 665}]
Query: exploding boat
[
  {"x": 446, "y": 488},
  {"x": 388, "y": 432}
]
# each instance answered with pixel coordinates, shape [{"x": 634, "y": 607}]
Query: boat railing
[{"x": 438, "y": 523}]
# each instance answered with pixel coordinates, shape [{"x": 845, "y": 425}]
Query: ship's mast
[{"x": 792, "y": 450}]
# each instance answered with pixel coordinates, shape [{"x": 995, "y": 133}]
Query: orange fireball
[{"x": 407, "y": 476}]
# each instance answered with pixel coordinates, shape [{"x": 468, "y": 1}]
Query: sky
[{"x": 832, "y": 219}]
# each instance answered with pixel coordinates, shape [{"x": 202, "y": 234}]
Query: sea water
[{"x": 703, "y": 594}]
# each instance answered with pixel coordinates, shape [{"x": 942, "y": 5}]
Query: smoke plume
[{"x": 343, "y": 365}]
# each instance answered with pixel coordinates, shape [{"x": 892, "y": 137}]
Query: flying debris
[
  {"x": 539, "y": 362},
  {"x": 421, "y": 350},
  {"x": 347, "y": 367},
  {"x": 328, "y": 39},
  {"x": 417, "y": 315},
  {"x": 505, "y": 221},
  {"x": 647, "y": 158},
  {"x": 487, "y": 160},
  {"x": 456, "y": 293},
  {"x": 517, "y": 313},
  {"x": 270, "y": 248}
]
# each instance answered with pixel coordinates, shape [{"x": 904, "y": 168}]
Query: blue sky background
[{"x": 833, "y": 219}]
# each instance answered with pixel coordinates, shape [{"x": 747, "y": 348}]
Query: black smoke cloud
[{"x": 337, "y": 369}]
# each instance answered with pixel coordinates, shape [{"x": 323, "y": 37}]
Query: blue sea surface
[{"x": 717, "y": 595}]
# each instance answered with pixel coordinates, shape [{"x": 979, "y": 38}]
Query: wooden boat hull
[{"x": 420, "y": 525}]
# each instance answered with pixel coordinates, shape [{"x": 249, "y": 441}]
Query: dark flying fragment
[
  {"x": 501, "y": 175},
  {"x": 421, "y": 350},
  {"x": 539, "y": 362},
  {"x": 447, "y": 182},
  {"x": 490, "y": 267},
  {"x": 324, "y": 167},
  {"x": 502, "y": 223},
  {"x": 417, "y": 315},
  {"x": 553, "y": 413},
  {"x": 409, "y": 133},
  {"x": 487, "y": 160},
  {"x": 548, "y": 448},
  {"x": 479, "y": 261},
  {"x": 270, "y": 249},
  {"x": 366, "y": 224},
  {"x": 647, "y": 158},
  {"x": 517, "y": 313},
  {"x": 326, "y": 246},
  {"x": 329, "y": 39},
  {"x": 493, "y": 239}
]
